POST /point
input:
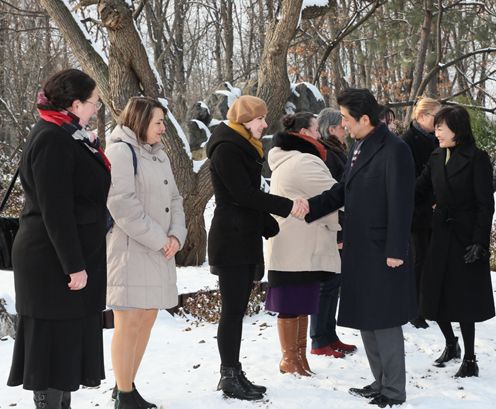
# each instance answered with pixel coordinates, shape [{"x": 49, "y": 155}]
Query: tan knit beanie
[{"x": 246, "y": 108}]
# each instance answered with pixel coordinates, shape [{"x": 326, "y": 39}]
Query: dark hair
[
  {"x": 138, "y": 113},
  {"x": 296, "y": 122},
  {"x": 359, "y": 102},
  {"x": 457, "y": 119},
  {"x": 66, "y": 86},
  {"x": 386, "y": 114}
]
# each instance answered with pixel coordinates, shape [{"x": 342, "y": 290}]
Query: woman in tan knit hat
[{"x": 241, "y": 218}]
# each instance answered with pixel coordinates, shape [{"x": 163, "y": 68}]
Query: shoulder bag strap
[{"x": 9, "y": 190}]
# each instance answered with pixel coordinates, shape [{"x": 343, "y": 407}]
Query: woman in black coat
[
  {"x": 421, "y": 140},
  {"x": 59, "y": 253},
  {"x": 241, "y": 218},
  {"x": 456, "y": 283}
]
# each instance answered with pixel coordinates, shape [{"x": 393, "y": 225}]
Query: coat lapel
[
  {"x": 369, "y": 148},
  {"x": 460, "y": 158}
]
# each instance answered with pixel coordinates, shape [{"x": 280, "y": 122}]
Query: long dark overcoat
[
  {"x": 377, "y": 193},
  {"x": 242, "y": 212},
  {"x": 62, "y": 227},
  {"x": 421, "y": 146},
  {"x": 451, "y": 289}
]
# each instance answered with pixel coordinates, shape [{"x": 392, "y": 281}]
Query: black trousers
[{"x": 235, "y": 284}]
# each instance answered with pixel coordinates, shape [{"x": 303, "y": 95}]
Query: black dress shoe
[
  {"x": 365, "y": 392},
  {"x": 383, "y": 401},
  {"x": 145, "y": 404},
  {"x": 468, "y": 368},
  {"x": 419, "y": 322},
  {"x": 451, "y": 351}
]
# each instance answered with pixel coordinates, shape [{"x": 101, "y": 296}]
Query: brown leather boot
[
  {"x": 302, "y": 342},
  {"x": 288, "y": 336}
]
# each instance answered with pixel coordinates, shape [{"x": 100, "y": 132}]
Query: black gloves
[
  {"x": 474, "y": 252},
  {"x": 271, "y": 227}
]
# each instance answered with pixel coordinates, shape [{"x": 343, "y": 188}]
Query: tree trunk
[
  {"x": 226, "y": 12},
  {"x": 418, "y": 71},
  {"x": 273, "y": 81},
  {"x": 131, "y": 74},
  {"x": 179, "y": 99},
  {"x": 90, "y": 60},
  {"x": 129, "y": 68}
]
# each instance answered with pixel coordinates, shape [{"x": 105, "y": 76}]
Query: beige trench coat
[
  {"x": 302, "y": 246},
  {"x": 147, "y": 209}
]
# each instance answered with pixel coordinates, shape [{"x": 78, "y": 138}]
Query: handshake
[{"x": 300, "y": 208}]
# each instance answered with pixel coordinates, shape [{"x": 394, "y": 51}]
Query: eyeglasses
[{"x": 97, "y": 104}]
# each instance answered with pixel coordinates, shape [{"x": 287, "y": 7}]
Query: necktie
[{"x": 356, "y": 152}]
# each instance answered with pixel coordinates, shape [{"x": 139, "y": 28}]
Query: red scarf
[
  {"x": 70, "y": 123},
  {"x": 320, "y": 148}
]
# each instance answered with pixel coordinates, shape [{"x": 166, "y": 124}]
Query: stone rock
[
  {"x": 7, "y": 321},
  {"x": 306, "y": 97}
]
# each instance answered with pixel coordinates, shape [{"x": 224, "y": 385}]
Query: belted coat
[{"x": 451, "y": 289}]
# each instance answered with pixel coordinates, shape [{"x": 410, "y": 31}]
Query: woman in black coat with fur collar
[{"x": 456, "y": 283}]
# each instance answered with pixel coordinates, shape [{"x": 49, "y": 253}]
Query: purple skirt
[{"x": 297, "y": 299}]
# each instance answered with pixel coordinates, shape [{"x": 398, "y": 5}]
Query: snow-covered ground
[{"x": 180, "y": 367}]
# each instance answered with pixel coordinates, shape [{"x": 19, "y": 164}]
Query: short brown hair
[{"x": 138, "y": 113}]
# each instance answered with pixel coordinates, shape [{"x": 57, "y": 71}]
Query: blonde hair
[
  {"x": 137, "y": 115},
  {"x": 425, "y": 105}
]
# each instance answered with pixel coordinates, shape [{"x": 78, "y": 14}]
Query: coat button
[
  {"x": 154, "y": 158},
  {"x": 166, "y": 210},
  {"x": 166, "y": 182}
]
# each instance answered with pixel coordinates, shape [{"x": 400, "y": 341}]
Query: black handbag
[
  {"x": 8, "y": 229},
  {"x": 107, "y": 318}
]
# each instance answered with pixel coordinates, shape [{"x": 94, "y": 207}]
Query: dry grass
[{"x": 204, "y": 306}]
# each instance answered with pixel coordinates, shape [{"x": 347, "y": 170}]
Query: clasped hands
[
  {"x": 300, "y": 208},
  {"x": 171, "y": 247}
]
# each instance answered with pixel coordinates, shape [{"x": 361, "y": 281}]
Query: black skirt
[{"x": 59, "y": 354}]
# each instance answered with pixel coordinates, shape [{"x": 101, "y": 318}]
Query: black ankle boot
[
  {"x": 468, "y": 368},
  {"x": 452, "y": 350},
  {"x": 127, "y": 400},
  {"x": 66, "y": 400},
  {"x": 232, "y": 386},
  {"x": 51, "y": 399},
  {"x": 247, "y": 383},
  {"x": 144, "y": 404}
]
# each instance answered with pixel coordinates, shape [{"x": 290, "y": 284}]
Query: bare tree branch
[
  {"x": 346, "y": 30},
  {"x": 35, "y": 13},
  {"x": 438, "y": 67},
  {"x": 139, "y": 9}
]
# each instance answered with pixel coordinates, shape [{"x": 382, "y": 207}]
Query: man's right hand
[{"x": 300, "y": 208}]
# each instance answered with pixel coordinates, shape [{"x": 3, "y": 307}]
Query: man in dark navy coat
[{"x": 378, "y": 287}]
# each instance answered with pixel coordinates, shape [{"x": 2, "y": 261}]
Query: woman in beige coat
[
  {"x": 149, "y": 228},
  {"x": 301, "y": 255}
]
